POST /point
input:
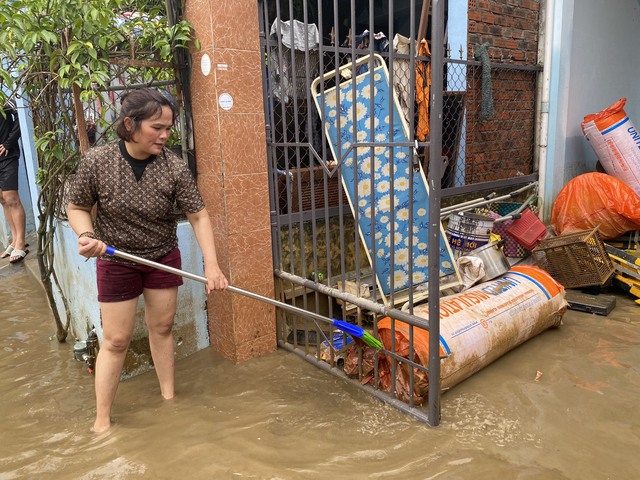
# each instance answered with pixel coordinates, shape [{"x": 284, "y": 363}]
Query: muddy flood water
[{"x": 278, "y": 417}]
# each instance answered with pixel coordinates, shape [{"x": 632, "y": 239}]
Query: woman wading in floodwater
[{"x": 135, "y": 183}]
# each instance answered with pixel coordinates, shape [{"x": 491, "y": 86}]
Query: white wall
[{"x": 594, "y": 63}]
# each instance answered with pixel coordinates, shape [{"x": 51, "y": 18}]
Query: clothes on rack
[
  {"x": 300, "y": 38},
  {"x": 297, "y": 35},
  {"x": 361, "y": 42}
]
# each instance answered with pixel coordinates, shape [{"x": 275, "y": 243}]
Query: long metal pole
[
  {"x": 232, "y": 289},
  {"x": 435, "y": 173},
  {"x": 483, "y": 201}
]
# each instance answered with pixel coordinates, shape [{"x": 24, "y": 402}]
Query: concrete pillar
[{"x": 231, "y": 163}]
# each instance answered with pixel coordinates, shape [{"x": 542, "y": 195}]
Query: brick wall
[{"x": 502, "y": 146}]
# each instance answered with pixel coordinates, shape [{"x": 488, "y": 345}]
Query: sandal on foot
[
  {"x": 18, "y": 255},
  {"x": 7, "y": 252}
]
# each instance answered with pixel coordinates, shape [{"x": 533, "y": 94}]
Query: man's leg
[
  {"x": 9, "y": 217},
  {"x": 14, "y": 211}
]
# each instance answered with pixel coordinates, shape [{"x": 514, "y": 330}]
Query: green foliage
[
  {"x": 72, "y": 40},
  {"x": 69, "y": 39},
  {"x": 53, "y": 49}
]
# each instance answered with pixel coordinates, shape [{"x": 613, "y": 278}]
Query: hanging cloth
[
  {"x": 423, "y": 90},
  {"x": 486, "y": 107},
  {"x": 286, "y": 81}
]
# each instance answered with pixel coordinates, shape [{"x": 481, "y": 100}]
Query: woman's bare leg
[
  {"x": 117, "y": 326},
  {"x": 159, "y": 313}
]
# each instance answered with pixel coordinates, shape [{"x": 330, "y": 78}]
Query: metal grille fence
[{"x": 488, "y": 148}]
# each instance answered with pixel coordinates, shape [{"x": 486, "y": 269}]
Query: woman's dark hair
[{"x": 139, "y": 105}]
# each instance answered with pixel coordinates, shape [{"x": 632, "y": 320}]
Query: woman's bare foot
[
  {"x": 168, "y": 396},
  {"x": 100, "y": 426}
]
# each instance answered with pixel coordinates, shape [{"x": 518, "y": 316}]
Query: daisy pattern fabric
[{"x": 375, "y": 174}]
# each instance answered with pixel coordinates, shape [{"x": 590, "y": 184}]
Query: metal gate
[{"x": 360, "y": 121}]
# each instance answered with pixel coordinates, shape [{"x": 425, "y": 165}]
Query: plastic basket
[
  {"x": 575, "y": 259},
  {"x": 528, "y": 230},
  {"x": 511, "y": 247}
]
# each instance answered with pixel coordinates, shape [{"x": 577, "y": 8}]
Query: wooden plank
[{"x": 424, "y": 20}]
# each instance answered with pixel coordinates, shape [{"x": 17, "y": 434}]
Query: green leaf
[
  {"x": 50, "y": 37},
  {"x": 73, "y": 46}
]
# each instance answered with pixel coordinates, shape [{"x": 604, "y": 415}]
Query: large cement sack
[
  {"x": 616, "y": 143},
  {"x": 477, "y": 326}
]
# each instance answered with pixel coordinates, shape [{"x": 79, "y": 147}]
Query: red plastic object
[{"x": 528, "y": 229}]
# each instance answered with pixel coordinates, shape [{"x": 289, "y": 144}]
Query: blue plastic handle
[
  {"x": 111, "y": 250},
  {"x": 350, "y": 328}
]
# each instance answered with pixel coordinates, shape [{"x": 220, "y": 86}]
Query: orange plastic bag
[{"x": 596, "y": 200}]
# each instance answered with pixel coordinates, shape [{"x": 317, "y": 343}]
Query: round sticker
[
  {"x": 225, "y": 101},
  {"x": 205, "y": 64}
]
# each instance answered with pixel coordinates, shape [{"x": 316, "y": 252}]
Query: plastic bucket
[{"x": 468, "y": 231}]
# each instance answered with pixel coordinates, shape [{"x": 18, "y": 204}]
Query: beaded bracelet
[{"x": 87, "y": 234}]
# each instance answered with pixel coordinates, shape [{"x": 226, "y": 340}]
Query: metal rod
[
  {"x": 490, "y": 185},
  {"x": 467, "y": 203},
  {"x": 435, "y": 169},
  {"x": 232, "y": 289},
  {"x": 355, "y": 300},
  {"x": 483, "y": 201},
  {"x": 516, "y": 213}
]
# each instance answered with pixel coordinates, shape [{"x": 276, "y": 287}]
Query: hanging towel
[
  {"x": 423, "y": 90},
  {"x": 482, "y": 54}
]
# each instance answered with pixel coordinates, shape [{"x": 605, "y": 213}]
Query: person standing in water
[
  {"x": 135, "y": 183},
  {"x": 9, "y": 198}
]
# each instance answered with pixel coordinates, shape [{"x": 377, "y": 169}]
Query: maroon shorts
[{"x": 118, "y": 282}]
